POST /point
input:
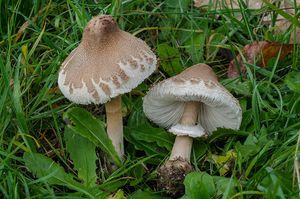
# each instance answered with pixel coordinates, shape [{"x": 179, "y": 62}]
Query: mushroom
[
  {"x": 191, "y": 104},
  {"x": 107, "y": 63}
]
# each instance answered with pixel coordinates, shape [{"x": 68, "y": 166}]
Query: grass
[{"x": 258, "y": 161}]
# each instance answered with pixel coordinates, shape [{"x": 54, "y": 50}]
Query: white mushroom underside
[
  {"x": 164, "y": 105},
  {"x": 135, "y": 74}
]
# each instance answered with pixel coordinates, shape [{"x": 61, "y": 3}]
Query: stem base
[{"x": 172, "y": 174}]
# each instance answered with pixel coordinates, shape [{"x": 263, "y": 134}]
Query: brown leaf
[{"x": 259, "y": 51}]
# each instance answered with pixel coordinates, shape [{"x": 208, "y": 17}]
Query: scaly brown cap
[{"x": 108, "y": 62}]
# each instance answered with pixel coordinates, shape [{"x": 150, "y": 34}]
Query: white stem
[
  {"x": 183, "y": 144},
  {"x": 115, "y": 124},
  {"x": 182, "y": 148}
]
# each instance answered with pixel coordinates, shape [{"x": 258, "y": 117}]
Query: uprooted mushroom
[
  {"x": 107, "y": 63},
  {"x": 191, "y": 104}
]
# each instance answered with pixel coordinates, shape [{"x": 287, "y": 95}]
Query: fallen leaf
[
  {"x": 225, "y": 162},
  {"x": 259, "y": 52}
]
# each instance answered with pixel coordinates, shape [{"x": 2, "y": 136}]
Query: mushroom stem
[
  {"x": 183, "y": 144},
  {"x": 182, "y": 148},
  {"x": 172, "y": 173},
  {"x": 114, "y": 123}
]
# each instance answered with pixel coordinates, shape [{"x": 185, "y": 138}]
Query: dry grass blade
[{"x": 26, "y": 24}]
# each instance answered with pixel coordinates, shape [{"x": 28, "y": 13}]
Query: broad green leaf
[
  {"x": 194, "y": 46},
  {"x": 251, "y": 140},
  {"x": 202, "y": 185},
  {"x": 150, "y": 134},
  {"x": 267, "y": 146},
  {"x": 138, "y": 173},
  {"x": 272, "y": 183},
  {"x": 139, "y": 194},
  {"x": 82, "y": 152},
  {"x": 199, "y": 185},
  {"x": 246, "y": 151},
  {"x": 293, "y": 81},
  {"x": 222, "y": 132},
  {"x": 170, "y": 59},
  {"x": 49, "y": 171},
  {"x": 154, "y": 141},
  {"x": 263, "y": 136},
  {"x": 238, "y": 87},
  {"x": 225, "y": 187},
  {"x": 85, "y": 124},
  {"x": 137, "y": 116},
  {"x": 150, "y": 148},
  {"x": 177, "y": 7},
  {"x": 44, "y": 167}
]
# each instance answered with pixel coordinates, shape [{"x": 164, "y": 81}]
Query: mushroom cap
[
  {"x": 164, "y": 103},
  {"x": 108, "y": 62}
]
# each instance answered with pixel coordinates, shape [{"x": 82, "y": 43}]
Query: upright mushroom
[
  {"x": 107, "y": 63},
  {"x": 191, "y": 104}
]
